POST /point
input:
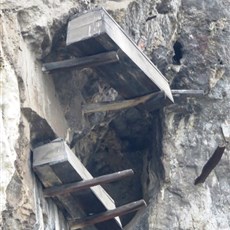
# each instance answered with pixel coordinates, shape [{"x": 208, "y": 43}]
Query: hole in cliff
[
  {"x": 117, "y": 141},
  {"x": 220, "y": 61},
  {"x": 133, "y": 140},
  {"x": 178, "y": 53},
  {"x": 164, "y": 7}
]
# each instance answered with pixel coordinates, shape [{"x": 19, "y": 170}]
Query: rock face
[
  {"x": 192, "y": 128},
  {"x": 29, "y": 109},
  {"x": 188, "y": 41}
]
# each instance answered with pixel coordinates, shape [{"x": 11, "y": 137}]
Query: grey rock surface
[
  {"x": 192, "y": 128},
  {"x": 189, "y": 42}
]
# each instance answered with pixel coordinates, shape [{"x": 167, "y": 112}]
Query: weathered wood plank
[
  {"x": 77, "y": 186},
  {"x": 210, "y": 165},
  {"x": 88, "y": 25},
  {"x": 52, "y": 153},
  {"x": 122, "y": 210},
  {"x": 89, "y": 61},
  {"x": 134, "y": 53},
  {"x": 187, "y": 92},
  {"x": 117, "y": 105}
]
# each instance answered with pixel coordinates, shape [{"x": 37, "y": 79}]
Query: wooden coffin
[
  {"x": 134, "y": 75},
  {"x": 55, "y": 164}
]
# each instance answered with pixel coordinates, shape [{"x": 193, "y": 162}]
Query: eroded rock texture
[
  {"x": 193, "y": 54},
  {"x": 28, "y": 104},
  {"x": 189, "y": 42}
]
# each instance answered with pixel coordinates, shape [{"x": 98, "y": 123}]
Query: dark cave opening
[
  {"x": 133, "y": 141},
  {"x": 117, "y": 141},
  {"x": 178, "y": 53}
]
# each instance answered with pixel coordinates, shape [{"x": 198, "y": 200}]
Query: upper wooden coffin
[{"x": 134, "y": 75}]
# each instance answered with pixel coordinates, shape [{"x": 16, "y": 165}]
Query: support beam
[
  {"x": 117, "y": 105},
  {"x": 125, "y": 104},
  {"x": 122, "y": 210},
  {"x": 187, "y": 92},
  {"x": 77, "y": 186},
  {"x": 90, "y": 61},
  {"x": 210, "y": 165}
]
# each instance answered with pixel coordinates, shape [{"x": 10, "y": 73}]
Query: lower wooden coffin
[{"x": 55, "y": 164}]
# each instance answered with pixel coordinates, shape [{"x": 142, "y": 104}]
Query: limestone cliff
[{"x": 189, "y": 43}]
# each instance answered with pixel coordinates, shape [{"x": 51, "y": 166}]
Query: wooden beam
[
  {"x": 89, "y": 61},
  {"x": 117, "y": 105},
  {"x": 187, "y": 92},
  {"x": 210, "y": 165},
  {"x": 101, "y": 217},
  {"x": 125, "y": 104},
  {"x": 77, "y": 186}
]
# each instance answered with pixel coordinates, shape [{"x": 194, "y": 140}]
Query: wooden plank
[
  {"x": 89, "y": 61},
  {"x": 88, "y": 25},
  {"x": 187, "y": 92},
  {"x": 85, "y": 198},
  {"x": 77, "y": 186},
  {"x": 122, "y": 210},
  {"x": 134, "y": 53},
  {"x": 52, "y": 152},
  {"x": 117, "y": 105},
  {"x": 210, "y": 165}
]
